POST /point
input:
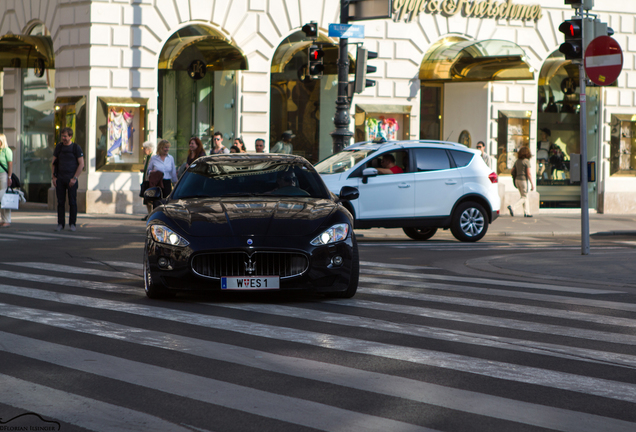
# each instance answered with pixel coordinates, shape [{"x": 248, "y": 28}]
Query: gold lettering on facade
[{"x": 408, "y": 9}]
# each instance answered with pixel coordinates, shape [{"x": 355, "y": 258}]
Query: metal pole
[
  {"x": 341, "y": 120},
  {"x": 585, "y": 216}
]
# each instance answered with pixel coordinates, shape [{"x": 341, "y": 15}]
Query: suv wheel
[
  {"x": 420, "y": 233},
  {"x": 470, "y": 222}
]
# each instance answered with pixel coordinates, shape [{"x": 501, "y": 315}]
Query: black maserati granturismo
[{"x": 250, "y": 222}]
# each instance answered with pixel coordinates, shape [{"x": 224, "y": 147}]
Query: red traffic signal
[
  {"x": 315, "y": 67},
  {"x": 573, "y": 45}
]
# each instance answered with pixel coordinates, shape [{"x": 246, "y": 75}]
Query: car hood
[{"x": 227, "y": 217}]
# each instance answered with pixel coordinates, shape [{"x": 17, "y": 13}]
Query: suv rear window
[
  {"x": 431, "y": 159},
  {"x": 462, "y": 158}
]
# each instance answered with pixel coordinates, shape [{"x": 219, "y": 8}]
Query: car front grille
[{"x": 217, "y": 265}]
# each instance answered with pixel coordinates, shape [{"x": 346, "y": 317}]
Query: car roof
[
  {"x": 227, "y": 157},
  {"x": 371, "y": 145}
]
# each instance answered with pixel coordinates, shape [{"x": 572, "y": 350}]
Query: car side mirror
[
  {"x": 349, "y": 193},
  {"x": 368, "y": 172},
  {"x": 153, "y": 194}
]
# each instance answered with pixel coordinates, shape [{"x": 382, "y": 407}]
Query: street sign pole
[
  {"x": 342, "y": 135},
  {"x": 585, "y": 213}
]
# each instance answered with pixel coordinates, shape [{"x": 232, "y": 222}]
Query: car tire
[
  {"x": 470, "y": 222},
  {"x": 152, "y": 288},
  {"x": 419, "y": 233},
  {"x": 355, "y": 274}
]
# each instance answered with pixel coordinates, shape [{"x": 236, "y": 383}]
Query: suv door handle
[
  {"x": 404, "y": 185},
  {"x": 451, "y": 182}
]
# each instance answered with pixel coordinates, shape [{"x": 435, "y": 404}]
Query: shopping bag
[{"x": 10, "y": 200}]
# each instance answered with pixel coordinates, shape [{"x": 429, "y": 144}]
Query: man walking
[{"x": 68, "y": 163}]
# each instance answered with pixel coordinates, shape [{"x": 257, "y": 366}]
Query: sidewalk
[{"x": 610, "y": 266}]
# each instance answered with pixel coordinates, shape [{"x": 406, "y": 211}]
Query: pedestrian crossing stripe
[{"x": 343, "y": 317}]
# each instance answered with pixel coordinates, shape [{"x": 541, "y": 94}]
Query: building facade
[{"x": 121, "y": 72}]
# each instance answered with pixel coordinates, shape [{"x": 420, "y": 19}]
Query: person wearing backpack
[
  {"x": 68, "y": 163},
  {"x": 6, "y": 167}
]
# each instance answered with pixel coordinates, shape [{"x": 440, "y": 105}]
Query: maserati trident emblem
[{"x": 250, "y": 267}]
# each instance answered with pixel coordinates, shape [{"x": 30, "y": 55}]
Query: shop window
[
  {"x": 121, "y": 131},
  {"x": 623, "y": 145},
  {"x": 513, "y": 133}
]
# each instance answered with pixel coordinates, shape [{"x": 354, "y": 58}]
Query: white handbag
[{"x": 10, "y": 200}]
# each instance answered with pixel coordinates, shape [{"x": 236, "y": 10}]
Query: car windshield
[
  {"x": 247, "y": 177},
  {"x": 341, "y": 162}
]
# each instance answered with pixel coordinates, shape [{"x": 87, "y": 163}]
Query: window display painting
[
  {"x": 121, "y": 130},
  {"x": 120, "y": 134}
]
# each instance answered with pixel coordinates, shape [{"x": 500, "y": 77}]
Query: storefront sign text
[{"x": 408, "y": 9}]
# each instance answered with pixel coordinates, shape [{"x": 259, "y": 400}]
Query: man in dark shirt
[{"x": 68, "y": 163}]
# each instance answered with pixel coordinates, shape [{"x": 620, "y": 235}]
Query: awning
[
  {"x": 26, "y": 52},
  {"x": 201, "y": 43},
  {"x": 487, "y": 60},
  {"x": 285, "y": 52}
]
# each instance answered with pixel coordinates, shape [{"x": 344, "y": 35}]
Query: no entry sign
[{"x": 603, "y": 60}]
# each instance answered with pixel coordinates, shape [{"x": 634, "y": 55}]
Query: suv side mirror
[
  {"x": 368, "y": 172},
  {"x": 349, "y": 193}
]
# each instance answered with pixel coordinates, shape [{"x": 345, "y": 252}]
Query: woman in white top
[{"x": 164, "y": 162}]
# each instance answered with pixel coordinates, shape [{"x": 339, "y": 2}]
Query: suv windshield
[
  {"x": 341, "y": 162},
  {"x": 245, "y": 177}
]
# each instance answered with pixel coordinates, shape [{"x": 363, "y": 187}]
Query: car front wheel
[
  {"x": 470, "y": 222},
  {"x": 152, "y": 288},
  {"x": 420, "y": 233},
  {"x": 355, "y": 275}
]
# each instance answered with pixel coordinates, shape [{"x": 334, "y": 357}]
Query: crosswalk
[
  {"x": 41, "y": 236},
  {"x": 415, "y": 350}
]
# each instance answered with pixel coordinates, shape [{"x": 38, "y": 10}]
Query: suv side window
[
  {"x": 401, "y": 160},
  {"x": 431, "y": 159},
  {"x": 462, "y": 158}
]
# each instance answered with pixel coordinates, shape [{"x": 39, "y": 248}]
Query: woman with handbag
[
  {"x": 6, "y": 169},
  {"x": 149, "y": 148},
  {"x": 163, "y": 163}
]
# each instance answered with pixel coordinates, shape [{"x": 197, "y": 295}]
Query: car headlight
[
  {"x": 334, "y": 234},
  {"x": 163, "y": 234}
]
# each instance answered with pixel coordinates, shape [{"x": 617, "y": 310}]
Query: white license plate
[{"x": 250, "y": 283}]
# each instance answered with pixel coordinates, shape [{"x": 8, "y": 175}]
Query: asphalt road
[{"x": 432, "y": 341}]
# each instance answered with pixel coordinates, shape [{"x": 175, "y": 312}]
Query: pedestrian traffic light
[
  {"x": 573, "y": 45},
  {"x": 316, "y": 64},
  {"x": 311, "y": 29},
  {"x": 362, "y": 69}
]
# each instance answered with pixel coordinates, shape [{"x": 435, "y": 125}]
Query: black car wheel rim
[{"x": 472, "y": 222}]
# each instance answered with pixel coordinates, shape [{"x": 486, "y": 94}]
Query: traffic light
[
  {"x": 311, "y": 30},
  {"x": 587, "y": 4},
  {"x": 316, "y": 64},
  {"x": 362, "y": 69},
  {"x": 573, "y": 45}
]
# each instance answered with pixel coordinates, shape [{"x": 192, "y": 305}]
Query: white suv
[{"x": 436, "y": 184}]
